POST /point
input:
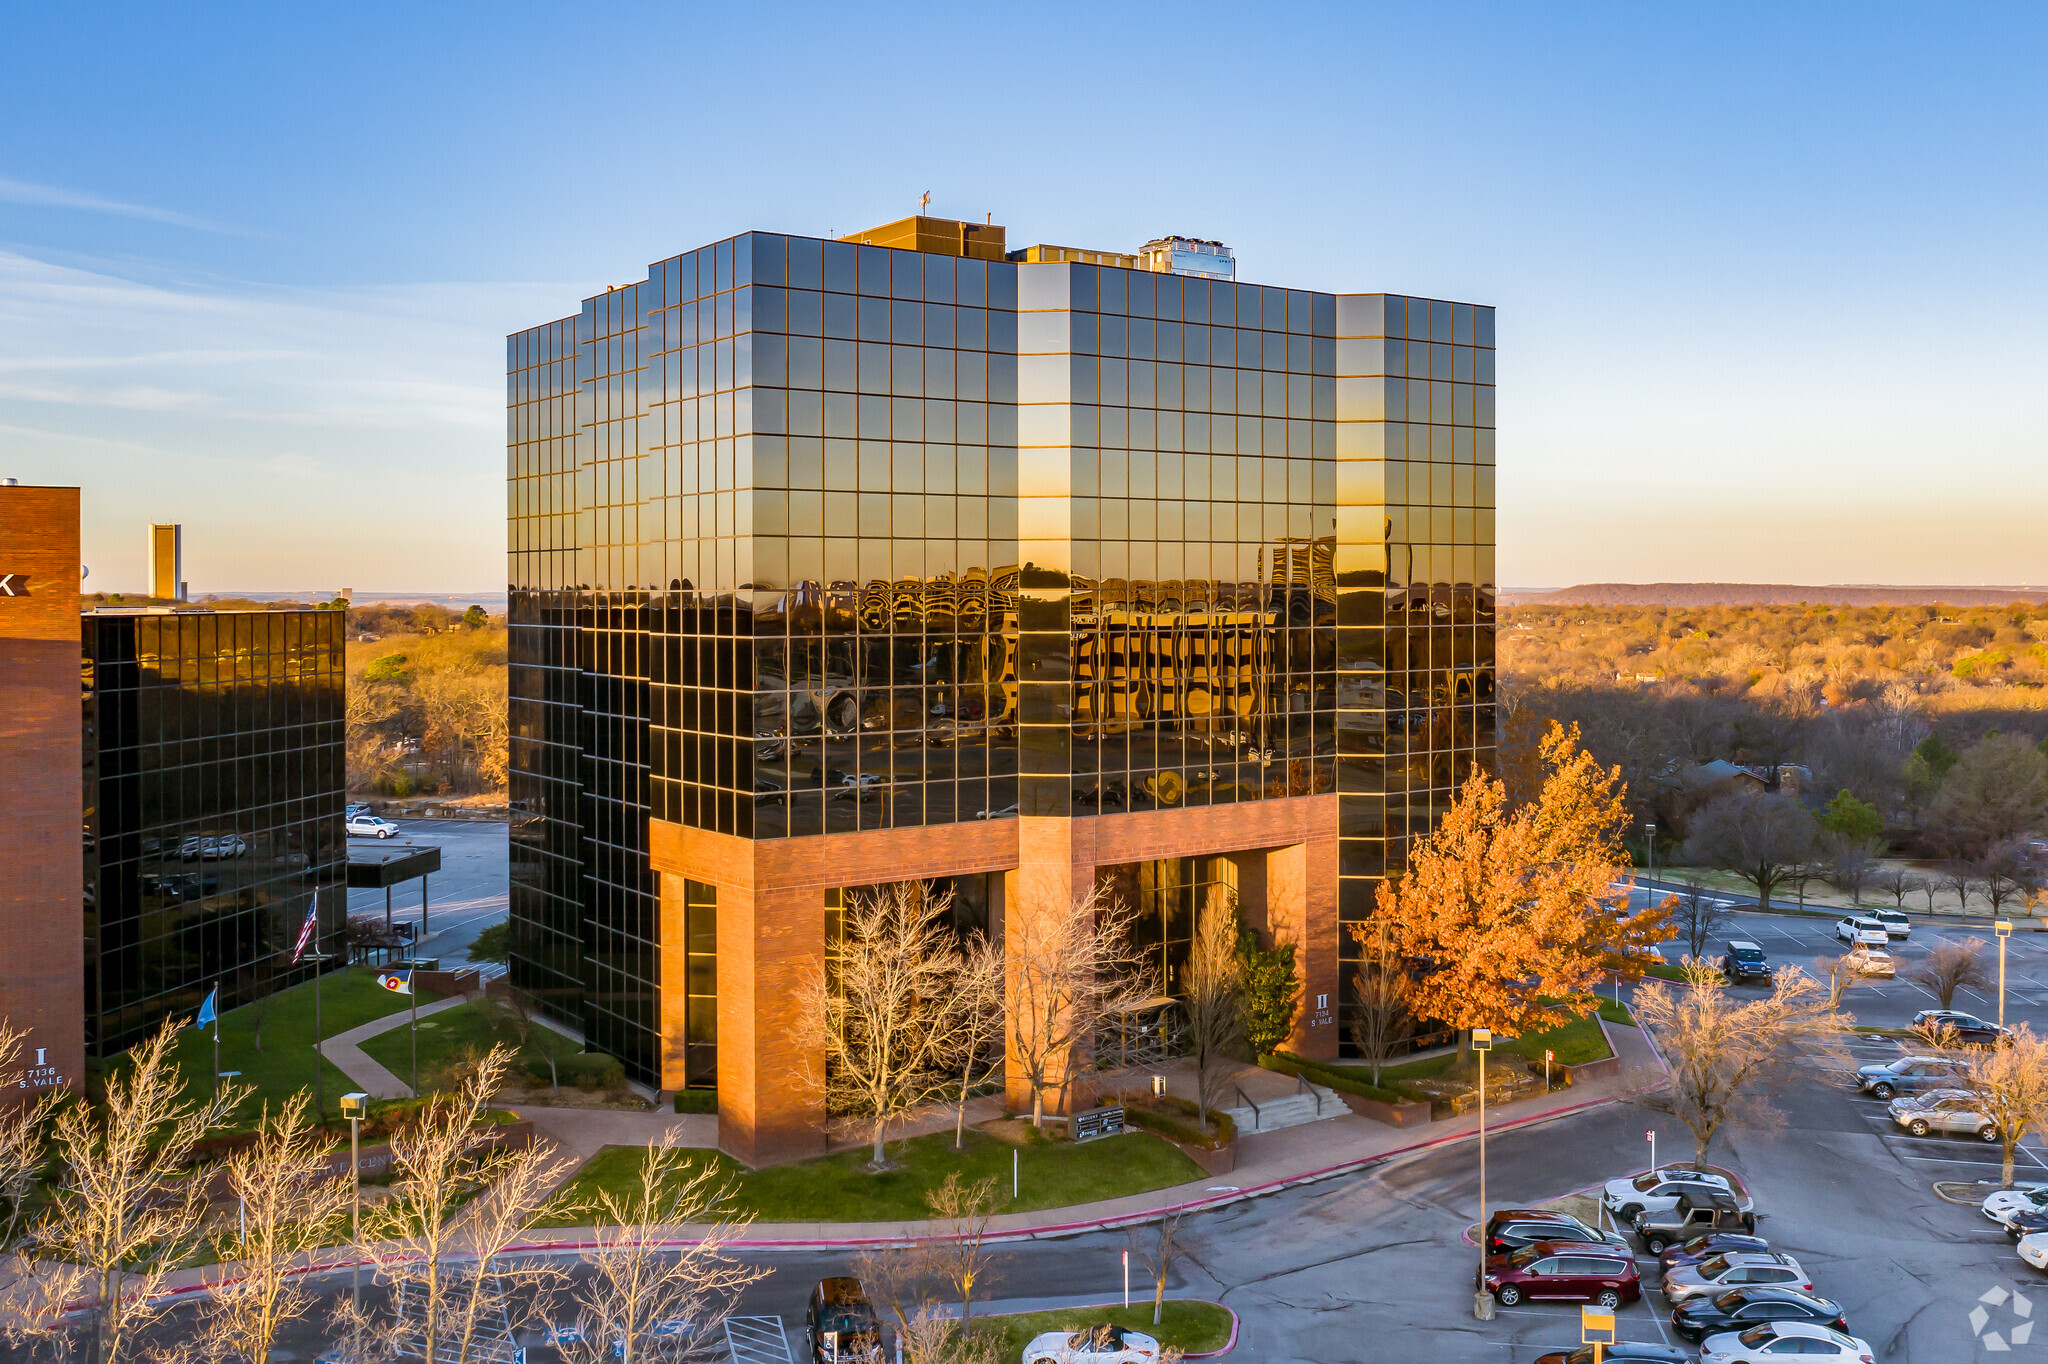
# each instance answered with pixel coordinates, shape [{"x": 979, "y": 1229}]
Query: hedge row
[
  {"x": 696, "y": 1101},
  {"x": 583, "y": 1069},
  {"x": 1343, "y": 1081},
  {"x": 1177, "y": 1119}
]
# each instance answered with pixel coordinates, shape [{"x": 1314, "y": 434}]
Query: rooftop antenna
[{"x": 924, "y": 201}]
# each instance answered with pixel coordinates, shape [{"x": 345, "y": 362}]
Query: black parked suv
[
  {"x": 1741, "y": 1308},
  {"x": 1970, "y": 1030},
  {"x": 841, "y": 1325},
  {"x": 1745, "y": 961}
]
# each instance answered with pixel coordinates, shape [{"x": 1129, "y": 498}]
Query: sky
[{"x": 1769, "y": 277}]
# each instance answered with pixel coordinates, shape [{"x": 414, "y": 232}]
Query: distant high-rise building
[
  {"x": 166, "y": 563},
  {"x": 1022, "y": 573}
]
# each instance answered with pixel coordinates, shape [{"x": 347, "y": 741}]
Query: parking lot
[{"x": 465, "y": 897}]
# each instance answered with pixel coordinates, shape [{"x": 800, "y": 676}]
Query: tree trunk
[
  {"x": 1038, "y": 1109},
  {"x": 1763, "y": 889},
  {"x": 1158, "y": 1301},
  {"x": 2005, "y": 1175},
  {"x": 881, "y": 1144}
]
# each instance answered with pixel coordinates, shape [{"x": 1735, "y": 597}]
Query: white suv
[
  {"x": 1858, "y": 931},
  {"x": 369, "y": 826},
  {"x": 1895, "y": 922},
  {"x": 1657, "y": 1191}
]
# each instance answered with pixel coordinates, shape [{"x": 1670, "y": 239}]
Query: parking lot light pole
[
  {"x": 2004, "y": 927},
  {"x": 1482, "y": 1301},
  {"x": 1650, "y": 894},
  {"x": 353, "y": 1106}
]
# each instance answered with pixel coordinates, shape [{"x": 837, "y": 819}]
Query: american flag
[{"x": 305, "y": 935}]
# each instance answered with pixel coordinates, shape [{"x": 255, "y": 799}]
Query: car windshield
[
  {"x": 1730, "y": 1300},
  {"x": 1748, "y": 953},
  {"x": 1105, "y": 1335},
  {"x": 848, "y": 1319},
  {"x": 1526, "y": 1256},
  {"x": 1758, "y": 1335},
  {"x": 1712, "y": 1266},
  {"x": 1649, "y": 1181}
]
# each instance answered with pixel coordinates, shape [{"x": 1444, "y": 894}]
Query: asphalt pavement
[{"x": 468, "y": 894}]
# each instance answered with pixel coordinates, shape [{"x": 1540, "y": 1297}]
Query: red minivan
[{"x": 1575, "y": 1270}]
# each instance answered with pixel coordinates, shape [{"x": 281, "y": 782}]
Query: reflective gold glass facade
[{"x": 814, "y": 537}]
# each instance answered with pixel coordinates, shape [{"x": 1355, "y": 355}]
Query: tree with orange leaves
[{"x": 1507, "y": 918}]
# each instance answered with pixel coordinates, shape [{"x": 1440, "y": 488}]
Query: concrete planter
[
  {"x": 1394, "y": 1115},
  {"x": 1220, "y": 1161}
]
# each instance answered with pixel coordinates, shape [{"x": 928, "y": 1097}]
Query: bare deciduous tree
[
  {"x": 1726, "y": 1057},
  {"x": 1896, "y": 882},
  {"x": 289, "y": 1204},
  {"x": 1851, "y": 862},
  {"x": 122, "y": 1216},
  {"x": 1698, "y": 916},
  {"x": 1948, "y": 967},
  {"x": 2008, "y": 873},
  {"x": 1212, "y": 1001},
  {"x": 977, "y": 1024},
  {"x": 902, "y": 1282},
  {"x": 1381, "y": 1020},
  {"x": 961, "y": 1257},
  {"x": 1067, "y": 973},
  {"x": 648, "y": 1299},
  {"x": 1156, "y": 1250},
  {"x": 2010, "y": 1084},
  {"x": 877, "y": 1013},
  {"x": 443, "y": 1159},
  {"x": 1836, "y": 974},
  {"x": 1761, "y": 838},
  {"x": 932, "y": 1335},
  {"x": 23, "y": 1149},
  {"x": 1958, "y": 876}
]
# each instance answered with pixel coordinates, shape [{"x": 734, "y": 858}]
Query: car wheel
[
  {"x": 383, "y": 833},
  {"x": 1631, "y": 1211},
  {"x": 1509, "y": 1296},
  {"x": 1987, "y": 1134},
  {"x": 1656, "y": 1245},
  {"x": 1918, "y": 1127},
  {"x": 1610, "y": 1299},
  {"x": 1883, "y": 1091}
]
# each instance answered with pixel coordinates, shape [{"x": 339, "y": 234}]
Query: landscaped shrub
[
  {"x": 1177, "y": 1119},
  {"x": 1344, "y": 1082},
  {"x": 696, "y": 1101}
]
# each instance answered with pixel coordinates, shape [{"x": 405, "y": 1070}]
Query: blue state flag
[
  {"x": 398, "y": 982},
  {"x": 207, "y": 1012}
]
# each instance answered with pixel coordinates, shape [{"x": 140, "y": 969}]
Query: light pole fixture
[
  {"x": 353, "y": 1107},
  {"x": 2004, "y": 927},
  {"x": 1650, "y": 895},
  {"x": 1482, "y": 1300}
]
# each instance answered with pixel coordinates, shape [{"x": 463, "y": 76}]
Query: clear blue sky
[{"x": 1770, "y": 278}]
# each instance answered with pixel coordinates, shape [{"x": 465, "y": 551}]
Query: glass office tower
[
  {"x": 841, "y": 554},
  {"x": 214, "y": 785}
]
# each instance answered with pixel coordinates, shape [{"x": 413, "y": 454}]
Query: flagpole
[
  {"x": 413, "y": 997},
  {"x": 319, "y": 969}
]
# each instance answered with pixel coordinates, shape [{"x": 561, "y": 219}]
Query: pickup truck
[{"x": 1695, "y": 1215}]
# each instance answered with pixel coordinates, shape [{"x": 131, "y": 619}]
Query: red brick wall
[
  {"x": 771, "y": 924},
  {"x": 42, "y": 938}
]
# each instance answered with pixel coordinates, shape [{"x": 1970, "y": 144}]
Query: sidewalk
[
  {"x": 345, "y": 1050},
  {"x": 1266, "y": 1163}
]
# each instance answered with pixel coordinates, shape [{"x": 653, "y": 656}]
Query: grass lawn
[
  {"x": 839, "y": 1189},
  {"x": 445, "y": 1038},
  {"x": 1616, "y": 1012},
  {"x": 348, "y": 999},
  {"x": 1576, "y": 1043},
  {"x": 1190, "y": 1326}
]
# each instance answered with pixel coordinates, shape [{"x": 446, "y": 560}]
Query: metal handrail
[
  {"x": 1301, "y": 1083},
  {"x": 1246, "y": 1100}
]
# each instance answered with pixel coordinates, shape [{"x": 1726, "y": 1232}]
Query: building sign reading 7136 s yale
[{"x": 41, "y": 1075}]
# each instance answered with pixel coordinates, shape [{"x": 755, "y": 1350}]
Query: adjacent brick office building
[
  {"x": 841, "y": 562},
  {"x": 41, "y": 965}
]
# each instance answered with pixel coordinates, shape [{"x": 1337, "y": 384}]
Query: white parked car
[
  {"x": 1950, "y": 1112},
  {"x": 1872, "y": 961},
  {"x": 2020, "y": 1198},
  {"x": 1895, "y": 922},
  {"x": 1859, "y": 931},
  {"x": 1734, "y": 1269},
  {"x": 1657, "y": 1191},
  {"x": 369, "y": 826},
  {"x": 1101, "y": 1345},
  {"x": 2034, "y": 1249},
  {"x": 1784, "y": 1340}
]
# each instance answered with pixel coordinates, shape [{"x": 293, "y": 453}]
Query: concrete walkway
[{"x": 346, "y": 1051}]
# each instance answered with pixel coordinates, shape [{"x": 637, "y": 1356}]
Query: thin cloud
[{"x": 51, "y": 196}]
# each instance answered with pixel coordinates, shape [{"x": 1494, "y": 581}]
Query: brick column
[
  {"x": 1056, "y": 864},
  {"x": 1301, "y": 905},
  {"x": 767, "y": 940}
]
